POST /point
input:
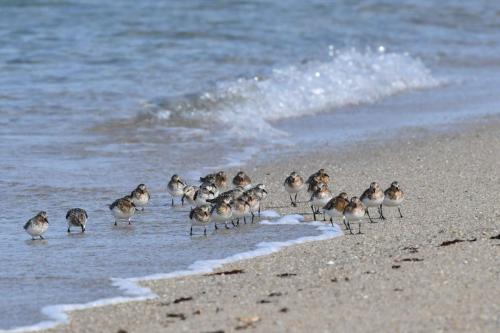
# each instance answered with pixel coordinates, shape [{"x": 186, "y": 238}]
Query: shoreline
[{"x": 278, "y": 201}]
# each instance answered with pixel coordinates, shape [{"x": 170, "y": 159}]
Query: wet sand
[{"x": 400, "y": 275}]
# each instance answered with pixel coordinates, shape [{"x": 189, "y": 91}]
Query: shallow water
[{"x": 96, "y": 98}]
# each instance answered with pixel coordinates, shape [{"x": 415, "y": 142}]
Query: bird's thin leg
[
  {"x": 349, "y": 224},
  {"x": 381, "y": 212},
  {"x": 331, "y": 221},
  {"x": 291, "y": 200},
  {"x": 314, "y": 212},
  {"x": 295, "y": 201},
  {"x": 129, "y": 222},
  {"x": 232, "y": 222},
  {"x": 83, "y": 228},
  {"x": 41, "y": 237},
  {"x": 368, "y": 213},
  {"x": 205, "y": 231},
  {"x": 215, "y": 225},
  {"x": 324, "y": 217},
  {"x": 172, "y": 202},
  {"x": 253, "y": 217},
  {"x": 359, "y": 231},
  {"x": 245, "y": 219},
  {"x": 69, "y": 230},
  {"x": 345, "y": 223},
  {"x": 115, "y": 222},
  {"x": 400, "y": 215}
]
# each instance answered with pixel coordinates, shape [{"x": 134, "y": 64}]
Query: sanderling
[
  {"x": 204, "y": 193},
  {"x": 234, "y": 193},
  {"x": 293, "y": 185},
  {"x": 320, "y": 198},
  {"x": 122, "y": 209},
  {"x": 242, "y": 179},
  {"x": 222, "y": 212},
  {"x": 335, "y": 207},
  {"x": 241, "y": 209},
  {"x": 354, "y": 212},
  {"x": 200, "y": 216},
  {"x": 260, "y": 193},
  {"x": 140, "y": 196},
  {"x": 319, "y": 177},
  {"x": 373, "y": 197},
  {"x": 393, "y": 198},
  {"x": 219, "y": 179},
  {"x": 189, "y": 193},
  {"x": 37, "y": 225},
  {"x": 176, "y": 187},
  {"x": 253, "y": 202},
  {"x": 76, "y": 217}
]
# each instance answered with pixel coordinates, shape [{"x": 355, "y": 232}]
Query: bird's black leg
[
  {"x": 324, "y": 217},
  {"x": 182, "y": 200},
  {"x": 116, "y": 223},
  {"x": 41, "y": 237},
  {"x": 314, "y": 212},
  {"x": 232, "y": 222},
  {"x": 359, "y": 231},
  {"x": 291, "y": 201},
  {"x": 381, "y": 213},
  {"x": 69, "y": 230},
  {"x": 172, "y": 202},
  {"x": 215, "y": 225},
  {"x": 368, "y": 213},
  {"x": 295, "y": 201},
  {"x": 205, "y": 231},
  {"x": 259, "y": 210},
  {"x": 331, "y": 221},
  {"x": 83, "y": 228},
  {"x": 400, "y": 215},
  {"x": 191, "y": 231},
  {"x": 245, "y": 219}
]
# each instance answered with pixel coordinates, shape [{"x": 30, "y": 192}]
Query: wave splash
[{"x": 251, "y": 105}]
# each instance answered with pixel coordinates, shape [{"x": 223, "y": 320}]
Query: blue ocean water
[{"x": 96, "y": 97}]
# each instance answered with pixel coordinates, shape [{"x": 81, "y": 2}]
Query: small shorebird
[
  {"x": 234, "y": 193},
  {"x": 189, "y": 193},
  {"x": 200, "y": 216},
  {"x": 204, "y": 193},
  {"x": 219, "y": 179},
  {"x": 76, "y": 217},
  {"x": 242, "y": 179},
  {"x": 320, "y": 198},
  {"x": 37, "y": 225},
  {"x": 260, "y": 193},
  {"x": 373, "y": 197},
  {"x": 319, "y": 177},
  {"x": 253, "y": 202},
  {"x": 222, "y": 212},
  {"x": 393, "y": 198},
  {"x": 140, "y": 196},
  {"x": 176, "y": 187},
  {"x": 293, "y": 185},
  {"x": 354, "y": 212},
  {"x": 122, "y": 209},
  {"x": 241, "y": 209},
  {"x": 335, "y": 207}
]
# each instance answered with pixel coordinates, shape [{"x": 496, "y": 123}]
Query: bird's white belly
[
  {"x": 37, "y": 230},
  {"x": 373, "y": 203},
  {"x": 392, "y": 203},
  {"x": 117, "y": 213}
]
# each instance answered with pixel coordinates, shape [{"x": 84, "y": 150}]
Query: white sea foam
[
  {"x": 58, "y": 314},
  {"x": 351, "y": 77}
]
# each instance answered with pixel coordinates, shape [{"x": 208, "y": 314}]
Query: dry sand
[{"x": 395, "y": 277}]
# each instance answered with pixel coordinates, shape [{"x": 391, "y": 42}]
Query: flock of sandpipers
[{"x": 209, "y": 204}]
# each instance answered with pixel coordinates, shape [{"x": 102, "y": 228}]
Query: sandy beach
[{"x": 437, "y": 269}]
